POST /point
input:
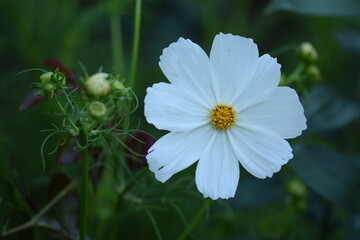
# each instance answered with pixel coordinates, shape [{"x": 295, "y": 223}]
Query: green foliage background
[{"x": 326, "y": 157}]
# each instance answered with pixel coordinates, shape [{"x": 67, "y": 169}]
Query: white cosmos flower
[{"x": 221, "y": 111}]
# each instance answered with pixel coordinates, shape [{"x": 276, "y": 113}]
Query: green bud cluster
[
  {"x": 307, "y": 71},
  {"x": 96, "y": 110},
  {"x": 50, "y": 82},
  {"x": 309, "y": 57},
  {"x": 102, "y": 91}
]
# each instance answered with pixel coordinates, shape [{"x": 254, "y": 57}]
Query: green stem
[
  {"x": 283, "y": 49},
  {"x": 120, "y": 198},
  {"x": 116, "y": 42},
  {"x": 68, "y": 119},
  {"x": 84, "y": 178},
  {"x": 195, "y": 220},
  {"x": 296, "y": 74},
  {"x": 114, "y": 228},
  {"x": 136, "y": 40},
  {"x": 34, "y": 221}
]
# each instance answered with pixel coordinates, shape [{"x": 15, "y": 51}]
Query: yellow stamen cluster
[{"x": 222, "y": 116}]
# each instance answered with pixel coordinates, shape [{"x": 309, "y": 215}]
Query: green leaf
[
  {"x": 356, "y": 160},
  {"x": 333, "y": 8},
  {"x": 329, "y": 173},
  {"x": 328, "y": 109},
  {"x": 349, "y": 39}
]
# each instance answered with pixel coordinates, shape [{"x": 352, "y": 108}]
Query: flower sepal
[{"x": 97, "y": 110}]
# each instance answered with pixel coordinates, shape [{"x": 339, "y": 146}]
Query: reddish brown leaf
[
  {"x": 137, "y": 162},
  {"x": 30, "y": 100},
  {"x": 56, "y": 64},
  {"x": 66, "y": 154}
]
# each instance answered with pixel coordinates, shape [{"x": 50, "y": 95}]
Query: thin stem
[
  {"x": 34, "y": 221},
  {"x": 84, "y": 178},
  {"x": 283, "y": 49},
  {"x": 195, "y": 220},
  {"x": 68, "y": 119},
  {"x": 128, "y": 187},
  {"x": 296, "y": 74},
  {"x": 114, "y": 228},
  {"x": 116, "y": 42},
  {"x": 136, "y": 40}
]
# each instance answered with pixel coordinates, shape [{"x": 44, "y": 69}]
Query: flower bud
[
  {"x": 296, "y": 188},
  {"x": 97, "y": 85},
  {"x": 60, "y": 80},
  {"x": 97, "y": 110},
  {"x": 50, "y": 82},
  {"x": 47, "y": 85},
  {"x": 313, "y": 73},
  {"x": 307, "y": 52},
  {"x": 46, "y": 77},
  {"x": 118, "y": 87}
]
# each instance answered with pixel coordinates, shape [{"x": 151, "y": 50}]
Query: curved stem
[
  {"x": 84, "y": 178},
  {"x": 196, "y": 219},
  {"x": 296, "y": 74},
  {"x": 283, "y": 49},
  {"x": 136, "y": 38},
  {"x": 68, "y": 119},
  {"x": 34, "y": 221}
]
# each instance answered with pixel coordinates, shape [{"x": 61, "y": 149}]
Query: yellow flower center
[{"x": 222, "y": 116}]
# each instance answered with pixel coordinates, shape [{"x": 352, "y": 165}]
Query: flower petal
[
  {"x": 170, "y": 108},
  {"x": 278, "y": 110},
  {"x": 266, "y": 77},
  {"x": 234, "y": 60},
  {"x": 260, "y": 152},
  {"x": 186, "y": 65},
  {"x": 217, "y": 173},
  {"x": 176, "y": 151}
]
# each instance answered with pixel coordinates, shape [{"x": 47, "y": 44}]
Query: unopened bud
[
  {"x": 313, "y": 73},
  {"x": 296, "y": 188},
  {"x": 46, "y": 77},
  {"x": 97, "y": 85},
  {"x": 307, "y": 52},
  {"x": 50, "y": 82},
  {"x": 118, "y": 87},
  {"x": 47, "y": 85},
  {"x": 97, "y": 110}
]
